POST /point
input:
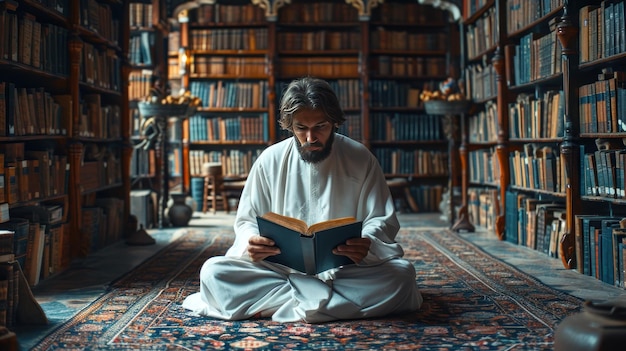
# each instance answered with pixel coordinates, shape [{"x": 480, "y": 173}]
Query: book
[{"x": 308, "y": 249}]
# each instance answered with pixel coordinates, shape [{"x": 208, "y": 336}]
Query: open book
[{"x": 308, "y": 249}]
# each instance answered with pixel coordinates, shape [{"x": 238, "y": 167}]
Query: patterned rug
[{"x": 471, "y": 302}]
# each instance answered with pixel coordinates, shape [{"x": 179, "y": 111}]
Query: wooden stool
[
  {"x": 399, "y": 188},
  {"x": 233, "y": 187},
  {"x": 213, "y": 187}
]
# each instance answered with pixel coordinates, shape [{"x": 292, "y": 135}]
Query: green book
[{"x": 308, "y": 249}]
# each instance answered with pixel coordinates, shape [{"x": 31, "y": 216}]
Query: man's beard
[{"x": 315, "y": 156}]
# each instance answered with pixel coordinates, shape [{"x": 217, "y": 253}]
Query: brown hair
[{"x": 310, "y": 93}]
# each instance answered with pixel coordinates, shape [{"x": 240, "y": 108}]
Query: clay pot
[
  {"x": 599, "y": 327},
  {"x": 179, "y": 213}
]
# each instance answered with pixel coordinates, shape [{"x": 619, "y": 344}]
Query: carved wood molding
[
  {"x": 271, "y": 7},
  {"x": 364, "y": 7},
  {"x": 452, "y": 6}
]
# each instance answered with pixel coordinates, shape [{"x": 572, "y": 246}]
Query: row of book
[
  {"x": 40, "y": 239},
  {"x": 101, "y": 224},
  {"x": 143, "y": 163},
  {"x": 520, "y": 13},
  {"x": 249, "y": 66},
  {"x": 101, "y": 18},
  {"x": 226, "y": 13},
  {"x": 382, "y": 38},
  {"x": 402, "y": 66},
  {"x": 603, "y": 171},
  {"x": 405, "y": 127},
  {"x": 101, "y": 167},
  {"x": 33, "y": 246},
  {"x": 139, "y": 83},
  {"x": 535, "y": 223},
  {"x": 480, "y": 82},
  {"x": 101, "y": 67},
  {"x": 234, "y": 162},
  {"x": 326, "y": 67},
  {"x": 228, "y": 39},
  {"x": 538, "y": 167},
  {"x": 470, "y": 7},
  {"x": 139, "y": 51},
  {"x": 534, "y": 58},
  {"x": 32, "y": 111},
  {"x": 318, "y": 40},
  {"x": 484, "y": 166},
  {"x": 9, "y": 289},
  {"x": 240, "y": 128},
  {"x": 317, "y": 12},
  {"x": 140, "y": 15},
  {"x": 427, "y": 197},
  {"x": 391, "y": 93},
  {"x": 601, "y": 106},
  {"x": 483, "y": 126},
  {"x": 412, "y": 162},
  {"x": 30, "y": 42},
  {"x": 98, "y": 119},
  {"x": 482, "y": 34},
  {"x": 600, "y": 244},
  {"x": 352, "y": 127},
  {"x": 32, "y": 174},
  {"x": 230, "y": 94},
  {"x": 602, "y": 32},
  {"x": 483, "y": 206},
  {"x": 537, "y": 117},
  {"x": 409, "y": 12}
]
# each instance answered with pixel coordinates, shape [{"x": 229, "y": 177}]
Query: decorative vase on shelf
[
  {"x": 445, "y": 107},
  {"x": 183, "y": 110},
  {"x": 179, "y": 213}
]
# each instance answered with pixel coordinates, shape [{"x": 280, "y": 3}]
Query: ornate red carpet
[{"x": 471, "y": 302}]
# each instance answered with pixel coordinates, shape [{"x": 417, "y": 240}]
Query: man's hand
[
  {"x": 260, "y": 248},
  {"x": 356, "y": 249}
]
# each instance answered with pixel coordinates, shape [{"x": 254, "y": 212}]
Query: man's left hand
[{"x": 356, "y": 249}]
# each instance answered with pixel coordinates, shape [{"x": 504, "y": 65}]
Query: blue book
[
  {"x": 589, "y": 242},
  {"x": 606, "y": 253},
  {"x": 308, "y": 249}
]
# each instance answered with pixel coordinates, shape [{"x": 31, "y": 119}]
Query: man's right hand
[{"x": 260, "y": 248}]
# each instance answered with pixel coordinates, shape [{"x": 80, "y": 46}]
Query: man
[{"x": 315, "y": 175}]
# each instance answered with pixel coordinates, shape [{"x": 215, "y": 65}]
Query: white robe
[{"x": 349, "y": 182}]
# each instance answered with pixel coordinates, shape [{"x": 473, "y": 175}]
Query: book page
[
  {"x": 287, "y": 222},
  {"x": 331, "y": 223}
]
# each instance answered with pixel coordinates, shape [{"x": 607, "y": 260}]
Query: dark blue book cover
[{"x": 310, "y": 253}]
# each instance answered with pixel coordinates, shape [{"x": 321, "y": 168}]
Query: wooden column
[
  {"x": 567, "y": 33},
  {"x": 463, "y": 223},
  {"x": 502, "y": 148}
]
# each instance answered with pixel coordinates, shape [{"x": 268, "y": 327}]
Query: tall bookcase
[
  {"x": 148, "y": 75},
  {"x": 63, "y": 135},
  {"x": 557, "y": 68},
  {"x": 344, "y": 43}
]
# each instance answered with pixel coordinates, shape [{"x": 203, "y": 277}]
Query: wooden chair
[{"x": 213, "y": 187}]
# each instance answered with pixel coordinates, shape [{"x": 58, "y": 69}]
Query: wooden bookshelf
[
  {"x": 63, "y": 129},
  {"x": 559, "y": 76},
  {"x": 340, "y": 42}
]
